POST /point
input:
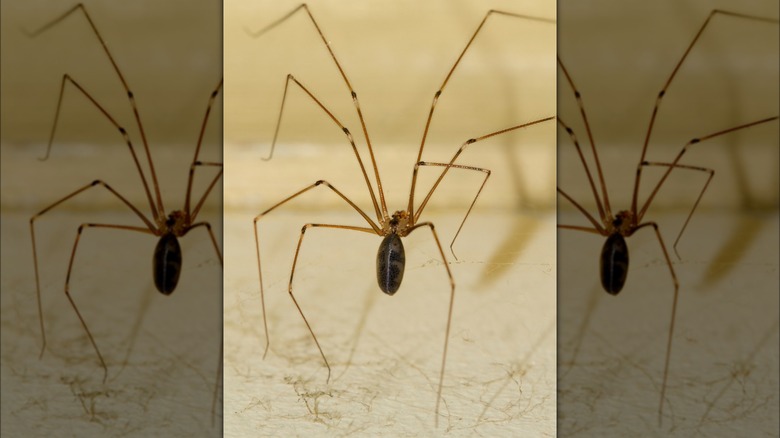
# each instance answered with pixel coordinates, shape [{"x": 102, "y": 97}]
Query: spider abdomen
[
  {"x": 614, "y": 263},
  {"x": 390, "y": 262},
  {"x": 167, "y": 263}
]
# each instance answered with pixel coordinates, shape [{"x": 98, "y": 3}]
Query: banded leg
[
  {"x": 335, "y": 120},
  {"x": 682, "y": 152},
  {"x": 352, "y": 92},
  {"x": 195, "y": 161},
  {"x": 67, "y": 282},
  {"x": 698, "y": 199},
  {"x": 585, "y": 166},
  {"x": 463, "y": 147},
  {"x": 605, "y": 210},
  {"x": 474, "y": 201},
  {"x": 157, "y": 210},
  {"x": 292, "y": 276},
  {"x": 130, "y": 96},
  {"x": 146, "y": 221},
  {"x": 210, "y": 187},
  {"x": 598, "y": 227},
  {"x": 460, "y": 57},
  {"x": 375, "y": 229},
  {"x": 668, "y": 82}
]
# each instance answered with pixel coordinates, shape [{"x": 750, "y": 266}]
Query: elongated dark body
[
  {"x": 390, "y": 262},
  {"x": 614, "y": 263},
  {"x": 167, "y": 263}
]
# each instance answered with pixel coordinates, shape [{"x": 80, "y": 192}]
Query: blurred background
[
  {"x": 723, "y": 369},
  {"x": 162, "y": 352}
]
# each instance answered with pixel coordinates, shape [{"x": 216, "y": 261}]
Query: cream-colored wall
[
  {"x": 396, "y": 55},
  {"x": 170, "y": 56},
  {"x": 621, "y": 54}
]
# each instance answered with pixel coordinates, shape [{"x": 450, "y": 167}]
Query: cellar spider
[
  {"x": 617, "y": 227},
  {"x": 392, "y": 227},
  {"x": 168, "y": 227}
]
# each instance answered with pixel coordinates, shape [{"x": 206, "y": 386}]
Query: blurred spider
[
  {"x": 617, "y": 227},
  {"x": 168, "y": 226}
]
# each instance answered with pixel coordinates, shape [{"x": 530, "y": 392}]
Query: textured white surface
[
  {"x": 385, "y": 351},
  {"x": 724, "y": 364},
  {"x": 723, "y": 374},
  {"x": 161, "y": 352}
]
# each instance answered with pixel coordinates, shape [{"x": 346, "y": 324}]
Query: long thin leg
[
  {"x": 580, "y": 228},
  {"x": 449, "y": 312},
  {"x": 375, "y": 229},
  {"x": 468, "y": 142},
  {"x": 200, "y": 202},
  {"x": 68, "y": 79},
  {"x": 195, "y": 160},
  {"x": 671, "y": 322},
  {"x": 211, "y": 235},
  {"x": 354, "y": 95},
  {"x": 146, "y": 221},
  {"x": 337, "y": 122},
  {"x": 607, "y": 210},
  {"x": 584, "y": 212},
  {"x": 131, "y": 98},
  {"x": 221, "y": 341},
  {"x": 292, "y": 276},
  {"x": 698, "y": 199},
  {"x": 457, "y": 62},
  {"x": 662, "y": 93},
  {"x": 573, "y": 138},
  {"x": 673, "y": 164},
  {"x": 67, "y": 282},
  {"x": 474, "y": 201}
]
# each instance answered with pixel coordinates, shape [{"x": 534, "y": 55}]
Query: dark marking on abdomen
[
  {"x": 390, "y": 262},
  {"x": 167, "y": 263},
  {"x": 614, "y": 263}
]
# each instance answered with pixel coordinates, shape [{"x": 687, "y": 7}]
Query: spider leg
[
  {"x": 221, "y": 341},
  {"x": 605, "y": 210},
  {"x": 146, "y": 221},
  {"x": 67, "y": 281},
  {"x": 338, "y": 123},
  {"x": 584, "y": 212},
  {"x": 580, "y": 228},
  {"x": 130, "y": 97},
  {"x": 602, "y": 213},
  {"x": 156, "y": 210},
  {"x": 674, "y": 312},
  {"x": 698, "y": 199},
  {"x": 199, "y": 204},
  {"x": 196, "y": 162},
  {"x": 355, "y": 101},
  {"x": 668, "y": 82},
  {"x": 457, "y": 62},
  {"x": 374, "y": 228},
  {"x": 468, "y": 142},
  {"x": 292, "y": 276},
  {"x": 449, "y": 312},
  {"x": 474, "y": 201},
  {"x": 673, "y": 164}
]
